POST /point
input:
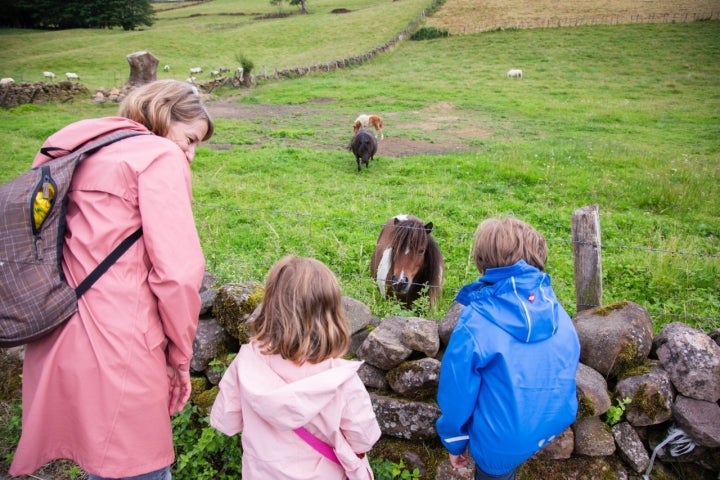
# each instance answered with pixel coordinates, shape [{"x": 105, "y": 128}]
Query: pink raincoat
[
  {"x": 265, "y": 397},
  {"x": 96, "y": 390}
]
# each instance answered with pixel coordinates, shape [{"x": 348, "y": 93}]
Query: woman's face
[{"x": 187, "y": 136}]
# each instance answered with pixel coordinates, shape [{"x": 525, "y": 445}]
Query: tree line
[{"x": 64, "y": 14}]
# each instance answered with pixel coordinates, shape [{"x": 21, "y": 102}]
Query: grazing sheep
[
  {"x": 514, "y": 73},
  {"x": 166, "y": 68},
  {"x": 49, "y": 75},
  {"x": 224, "y": 69},
  {"x": 72, "y": 76},
  {"x": 191, "y": 80},
  {"x": 364, "y": 146},
  {"x": 214, "y": 73},
  {"x": 239, "y": 73},
  {"x": 6, "y": 81},
  {"x": 195, "y": 70}
]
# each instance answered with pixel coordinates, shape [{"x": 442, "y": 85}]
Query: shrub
[
  {"x": 245, "y": 63},
  {"x": 428, "y": 33},
  {"x": 203, "y": 453}
]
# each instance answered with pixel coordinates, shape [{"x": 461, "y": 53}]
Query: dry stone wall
[
  {"x": 672, "y": 382},
  {"x": 16, "y": 94}
]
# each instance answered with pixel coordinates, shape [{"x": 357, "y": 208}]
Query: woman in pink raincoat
[
  {"x": 291, "y": 375},
  {"x": 100, "y": 390}
]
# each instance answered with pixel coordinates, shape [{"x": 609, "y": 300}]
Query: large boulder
[
  {"x": 614, "y": 338},
  {"x": 692, "y": 359},
  {"x": 405, "y": 419},
  {"x": 651, "y": 396},
  {"x": 591, "y": 391},
  {"x": 234, "y": 306}
]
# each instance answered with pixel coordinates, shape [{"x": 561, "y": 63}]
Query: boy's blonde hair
[
  {"x": 157, "y": 104},
  {"x": 503, "y": 242},
  {"x": 302, "y": 316}
]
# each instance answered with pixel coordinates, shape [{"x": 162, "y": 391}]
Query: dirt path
[{"x": 446, "y": 130}]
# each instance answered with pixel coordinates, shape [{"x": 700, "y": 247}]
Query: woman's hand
[{"x": 179, "y": 389}]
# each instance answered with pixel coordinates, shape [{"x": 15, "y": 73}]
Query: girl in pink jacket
[
  {"x": 101, "y": 388},
  {"x": 291, "y": 375}
]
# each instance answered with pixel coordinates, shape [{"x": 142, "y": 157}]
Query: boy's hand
[{"x": 459, "y": 461}]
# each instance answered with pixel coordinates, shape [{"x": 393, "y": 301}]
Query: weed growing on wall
[{"x": 203, "y": 453}]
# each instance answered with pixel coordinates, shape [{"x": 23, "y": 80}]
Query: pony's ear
[
  {"x": 396, "y": 220},
  {"x": 429, "y": 227}
]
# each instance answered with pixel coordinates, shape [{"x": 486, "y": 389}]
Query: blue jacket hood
[{"x": 518, "y": 298}]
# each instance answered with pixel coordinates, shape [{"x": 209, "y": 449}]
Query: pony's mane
[
  {"x": 408, "y": 234},
  {"x": 434, "y": 269}
]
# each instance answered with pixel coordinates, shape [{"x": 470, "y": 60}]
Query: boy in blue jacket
[{"x": 507, "y": 377}]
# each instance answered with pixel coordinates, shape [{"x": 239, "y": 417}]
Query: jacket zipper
[{"x": 45, "y": 188}]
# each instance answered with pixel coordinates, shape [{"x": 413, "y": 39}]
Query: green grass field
[{"x": 623, "y": 116}]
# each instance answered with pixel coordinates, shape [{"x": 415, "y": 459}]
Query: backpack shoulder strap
[
  {"x": 91, "y": 146},
  {"x": 105, "y": 264}
]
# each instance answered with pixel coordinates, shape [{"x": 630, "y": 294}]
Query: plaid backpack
[{"x": 34, "y": 296}]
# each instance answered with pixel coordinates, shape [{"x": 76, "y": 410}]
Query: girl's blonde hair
[
  {"x": 157, "y": 104},
  {"x": 302, "y": 316},
  {"x": 503, "y": 242}
]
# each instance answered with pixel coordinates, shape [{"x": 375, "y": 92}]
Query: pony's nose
[{"x": 400, "y": 284}]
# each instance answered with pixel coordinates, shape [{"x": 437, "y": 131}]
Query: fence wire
[{"x": 309, "y": 219}]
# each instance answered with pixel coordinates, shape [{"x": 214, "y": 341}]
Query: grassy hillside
[{"x": 209, "y": 35}]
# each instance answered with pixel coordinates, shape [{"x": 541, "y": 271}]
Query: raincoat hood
[
  {"x": 518, "y": 298},
  {"x": 79, "y": 133},
  {"x": 288, "y": 405}
]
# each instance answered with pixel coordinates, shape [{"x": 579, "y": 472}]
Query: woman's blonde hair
[
  {"x": 503, "y": 242},
  {"x": 157, "y": 104},
  {"x": 302, "y": 316}
]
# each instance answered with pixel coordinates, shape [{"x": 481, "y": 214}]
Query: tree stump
[{"x": 143, "y": 68}]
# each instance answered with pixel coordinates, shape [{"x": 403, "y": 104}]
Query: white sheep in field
[
  {"x": 49, "y": 75},
  {"x": 223, "y": 69},
  {"x": 239, "y": 73},
  {"x": 514, "y": 73},
  {"x": 191, "y": 80},
  {"x": 214, "y": 73},
  {"x": 6, "y": 81},
  {"x": 72, "y": 76},
  {"x": 166, "y": 68},
  {"x": 195, "y": 70}
]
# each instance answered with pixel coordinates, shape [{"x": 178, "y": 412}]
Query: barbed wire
[{"x": 377, "y": 225}]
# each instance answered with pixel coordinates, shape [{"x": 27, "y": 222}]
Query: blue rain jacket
[{"x": 507, "y": 377}]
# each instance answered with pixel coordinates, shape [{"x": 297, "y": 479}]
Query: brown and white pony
[
  {"x": 364, "y": 121},
  {"x": 407, "y": 261}
]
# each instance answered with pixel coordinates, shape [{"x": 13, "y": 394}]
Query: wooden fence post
[{"x": 587, "y": 258}]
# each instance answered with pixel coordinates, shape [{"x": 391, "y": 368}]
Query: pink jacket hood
[
  {"x": 79, "y": 133},
  {"x": 289, "y": 405}
]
